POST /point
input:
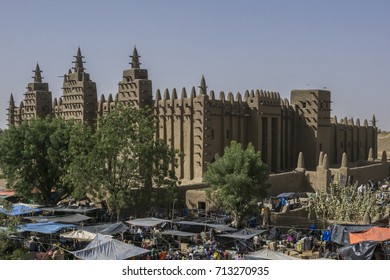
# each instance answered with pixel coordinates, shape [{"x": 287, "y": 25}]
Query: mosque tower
[
  {"x": 135, "y": 89},
  {"x": 79, "y": 100}
]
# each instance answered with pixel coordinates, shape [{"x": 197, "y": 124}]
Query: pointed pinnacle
[
  {"x": 78, "y": 51},
  {"x": 301, "y": 161},
  {"x": 78, "y": 64},
  {"x": 135, "y": 59},
  {"x": 203, "y": 87},
  {"x": 37, "y": 77},
  {"x": 344, "y": 160},
  {"x": 373, "y": 121},
  {"x": 11, "y": 100}
]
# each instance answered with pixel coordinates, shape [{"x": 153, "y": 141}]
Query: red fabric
[
  {"x": 7, "y": 192},
  {"x": 373, "y": 234}
]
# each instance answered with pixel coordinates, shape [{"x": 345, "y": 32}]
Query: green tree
[
  {"x": 237, "y": 180},
  {"x": 125, "y": 165},
  {"x": 35, "y": 157},
  {"x": 8, "y": 225}
]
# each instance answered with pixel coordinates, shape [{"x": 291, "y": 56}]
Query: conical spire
[
  {"x": 301, "y": 162},
  {"x": 166, "y": 94},
  {"x": 183, "y": 93},
  {"x": 212, "y": 95},
  {"x": 222, "y": 95},
  {"x": 344, "y": 160},
  {"x": 384, "y": 156},
  {"x": 11, "y": 101},
  {"x": 78, "y": 64},
  {"x": 373, "y": 121},
  {"x": 238, "y": 97},
  {"x": 230, "y": 97},
  {"x": 370, "y": 154},
  {"x": 320, "y": 159},
  {"x": 37, "y": 77},
  {"x": 203, "y": 87},
  {"x": 135, "y": 64},
  {"x": 193, "y": 92},
  {"x": 174, "y": 94},
  {"x": 158, "y": 95},
  {"x": 246, "y": 95},
  {"x": 325, "y": 162}
]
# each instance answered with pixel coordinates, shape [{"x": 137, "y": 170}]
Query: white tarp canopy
[
  {"x": 107, "y": 229},
  {"x": 106, "y": 248},
  {"x": 147, "y": 222},
  {"x": 71, "y": 219},
  {"x": 245, "y": 233},
  {"x": 79, "y": 234},
  {"x": 267, "y": 254}
]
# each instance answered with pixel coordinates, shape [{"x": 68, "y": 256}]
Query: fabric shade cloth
[
  {"x": 220, "y": 227},
  {"x": 177, "y": 233},
  {"x": 47, "y": 228},
  {"x": 106, "y": 248},
  {"x": 76, "y": 218},
  {"x": 18, "y": 210},
  {"x": 266, "y": 254},
  {"x": 340, "y": 233},
  {"x": 243, "y": 234},
  {"x": 81, "y": 235},
  {"x": 147, "y": 222},
  {"x": 107, "y": 229},
  {"x": 373, "y": 234}
]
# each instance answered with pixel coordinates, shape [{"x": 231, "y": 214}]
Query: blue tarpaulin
[
  {"x": 47, "y": 228},
  {"x": 18, "y": 210}
]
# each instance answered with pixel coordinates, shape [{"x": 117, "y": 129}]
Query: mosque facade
[{"x": 200, "y": 123}]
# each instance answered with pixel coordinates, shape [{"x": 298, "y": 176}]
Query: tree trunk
[
  {"x": 237, "y": 222},
  {"x": 118, "y": 214},
  {"x": 46, "y": 197}
]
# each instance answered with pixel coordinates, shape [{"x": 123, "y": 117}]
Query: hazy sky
[{"x": 343, "y": 45}]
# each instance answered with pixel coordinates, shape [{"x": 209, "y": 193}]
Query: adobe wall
[
  {"x": 283, "y": 182},
  {"x": 296, "y": 181},
  {"x": 287, "y": 182},
  {"x": 311, "y": 180},
  {"x": 193, "y": 197},
  {"x": 362, "y": 174}
]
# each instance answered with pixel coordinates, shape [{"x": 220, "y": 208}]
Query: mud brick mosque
[{"x": 296, "y": 136}]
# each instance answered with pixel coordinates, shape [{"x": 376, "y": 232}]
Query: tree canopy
[
  {"x": 8, "y": 225},
  {"x": 237, "y": 180},
  {"x": 35, "y": 156},
  {"x": 122, "y": 162}
]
